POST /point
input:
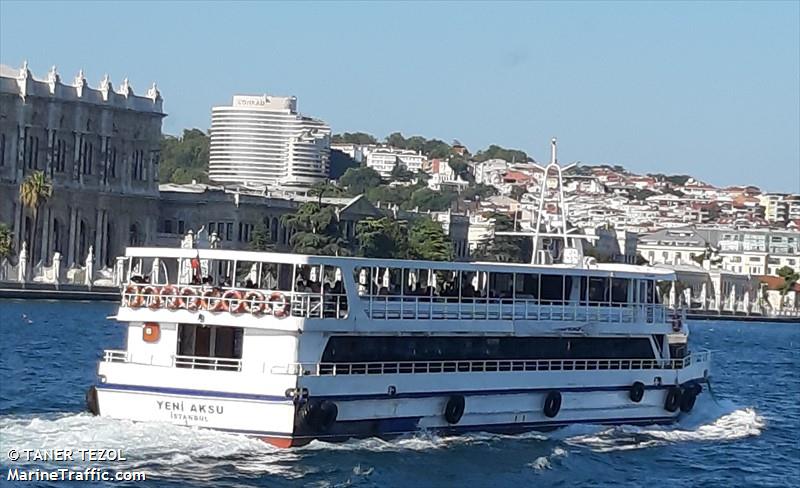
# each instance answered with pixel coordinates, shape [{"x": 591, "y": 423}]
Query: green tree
[
  {"x": 427, "y": 240},
  {"x": 354, "y": 138},
  {"x": 35, "y": 191},
  {"x": 184, "y": 158},
  {"x": 497, "y": 152},
  {"x": 401, "y": 173},
  {"x": 436, "y": 201},
  {"x": 479, "y": 191},
  {"x": 358, "y": 180},
  {"x": 460, "y": 167},
  {"x": 326, "y": 189},
  {"x": 382, "y": 238},
  {"x": 505, "y": 248},
  {"x": 6, "y": 241},
  {"x": 261, "y": 239},
  {"x": 316, "y": 230},
  {"x": 790, "y": 279}
]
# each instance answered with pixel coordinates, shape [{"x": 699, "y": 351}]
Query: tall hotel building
[{"x": 263, "y": 141}]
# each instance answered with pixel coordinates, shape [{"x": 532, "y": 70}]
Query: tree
[
  {"x": 261, "y": 239},
  {"x": 497, "y": 152},
  {"x": 382, "y": 238},
  {"x": 505, "y": 248},
  {"x": 401, "y": 173},
  {"x": 427, "y": 240},
  {"x": 436, "y": 201},
  {"x": 184, "y": 158},
  {"x": 460, "y": 167},
  {"x": 358, "y": 180},
  {"x": 6, "y": 241},
  {"x": 479, "y": 191},
  {"x": 341, "y": 162},
  {"x": 34, "y": 192},
  {"x": 315, "y": 230},
  {"x": 790, "y": 279},
  {"x": 360, "y": 138},
  {"x": 325, "y": 188}
]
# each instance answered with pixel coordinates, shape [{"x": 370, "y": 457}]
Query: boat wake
[{"x": 198, "y": 454}]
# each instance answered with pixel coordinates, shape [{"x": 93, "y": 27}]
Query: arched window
[{"x": 133, "y": 234}]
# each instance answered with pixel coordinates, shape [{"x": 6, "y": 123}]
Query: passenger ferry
[{"x": 291, "y": 348}]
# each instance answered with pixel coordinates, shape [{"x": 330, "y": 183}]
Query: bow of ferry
[{"x": 290, "y": 348}]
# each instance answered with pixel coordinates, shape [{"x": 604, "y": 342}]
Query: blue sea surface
[{"x": 746, "y": 434}]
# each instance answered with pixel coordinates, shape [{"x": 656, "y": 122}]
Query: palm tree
[
  {"x": 34, "y": 192},
  {"x": 6, "y": 241}
]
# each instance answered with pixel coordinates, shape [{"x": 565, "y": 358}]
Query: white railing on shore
[
  {"x": 486, "y": 366},
  {"x": 454, "y": 308}
]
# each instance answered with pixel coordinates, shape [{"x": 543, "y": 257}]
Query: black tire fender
[
  {"x": 552, "y": 403},
  {"x": 636, "y": 392},
  {"x": 454, "y": 409}
]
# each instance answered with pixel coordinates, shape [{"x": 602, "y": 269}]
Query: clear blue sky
[{"x": 709, "y": 89}]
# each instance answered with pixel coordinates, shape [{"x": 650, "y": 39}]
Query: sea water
[{"x": 745, "y": 434}]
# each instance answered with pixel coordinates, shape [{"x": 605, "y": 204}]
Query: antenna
[{"x": 552, "y": 191}]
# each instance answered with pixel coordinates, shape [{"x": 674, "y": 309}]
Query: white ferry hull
[{"x": 507, "y": 402}]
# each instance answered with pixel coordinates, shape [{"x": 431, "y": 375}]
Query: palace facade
[{"x": 99, "y": 146}]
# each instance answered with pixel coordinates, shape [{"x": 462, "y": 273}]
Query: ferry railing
[
  {"x": 454, "y": 308},
  {"x": 235, "y": 300},
  {"x": 198, "y": 362},
  {"x": 486, "y": 366},
  {"x": 115, "y": 356}
]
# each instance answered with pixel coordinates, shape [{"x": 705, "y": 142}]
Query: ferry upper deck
[{"x": 295, "y": 292}]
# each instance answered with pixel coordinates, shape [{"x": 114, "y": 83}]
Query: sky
[{"x": 707, "y": 89}]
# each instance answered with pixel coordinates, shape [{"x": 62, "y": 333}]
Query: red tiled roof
[{"x": 776, "y": 282}]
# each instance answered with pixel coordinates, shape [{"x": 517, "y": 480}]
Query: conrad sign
[{"x": 250, "y": 101}]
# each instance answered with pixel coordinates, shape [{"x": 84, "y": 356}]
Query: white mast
[{"x": 570, "y": 253}]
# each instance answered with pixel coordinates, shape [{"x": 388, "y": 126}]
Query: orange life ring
[
  {"x": 192, "y": 300},
  {"x": 281, "y": 310},
  {"x": 254, "y": 302},
  {"x": 153, "y": 297},
  {"x": 151, "y": 332},
  {"x": 235, "y": 303},
  {"x": 213, "y": 302},
  {"x": 133, "y": 298},
  {"x": 171, "y": 297}
]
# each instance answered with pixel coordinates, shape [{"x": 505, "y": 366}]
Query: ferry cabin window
[
  {"x": 358, "y": 349},
  {"x": 526, "y": 286},
  {"x": 210, "y": 341},
  {"x": 555, "y": 287}
]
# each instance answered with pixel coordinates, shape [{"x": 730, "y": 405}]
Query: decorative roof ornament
[
  {"x": 80, "y": 83},
  {"x": 125, "y": 89},
  {"x": 53, "y": 79},
  {"x": 153, "y": 93},
  {"x": 24, "y": 72},
  {"x": 106, "y": 86}
]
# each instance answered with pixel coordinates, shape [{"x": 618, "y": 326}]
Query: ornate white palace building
[
  {"x": 99, "y": 146},
  {"x": 263, "y": 141}
]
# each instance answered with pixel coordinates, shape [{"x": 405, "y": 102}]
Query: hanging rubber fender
[
  {"x": 689, "y": 397},
  {"x": 637, "y": 392},
  {"x": 552, "y": 404},
  {"x": 319, "y": 415},
  {"x": 454, "y": 409},
  {"x": 673, "y": 399},
  {"x": 91, "y": 401}
]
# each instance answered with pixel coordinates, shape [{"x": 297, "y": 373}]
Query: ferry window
[
  {"x": 598, "y": 289},
  {"x": 619, "y": 290},
  {"x": 527, "y": 286},
  {"x": 307, "y": 279},
  {"x": 210, "y": 341},
  {"x": 552, "y": 287},
  {"x": 246, "y": 274},
  {"x": 501, "y": 285}
]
